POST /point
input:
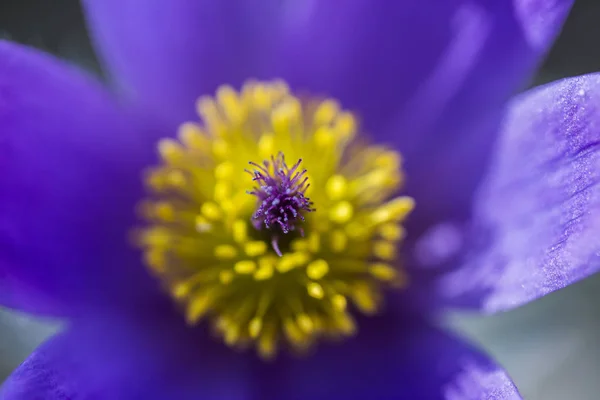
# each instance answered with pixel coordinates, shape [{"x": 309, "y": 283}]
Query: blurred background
[{"x": 551, "y": 348}]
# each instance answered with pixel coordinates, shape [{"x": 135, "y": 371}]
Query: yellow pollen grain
[
  {"x": 317, "y": 269},
  {"x": 244, "y": 267},
  {"x": 324, "y": 137},
  {"x": 342, "y": 212},
  {"x": 254, "y": 327},
  {"x": 339, "y": 302},
  {"x": 345, "y": 124},
  {"x": 391, "y": 232},
  {"x": 222, "y": 191},
  {"x": 286, "y": 263},
  {"x": 202, "y": 224},
  {"x": 384, "y": 250},
  {"x": 266, "y": 145},
  {"x": 336, "y": 187},
  {"x": 305, "y": 323},
  {"x": 315, "y": 290},
  {"x": 211, "y": 211},
  {"x": 363, "y": 298},
  {"x": 170, "y": 151},
  {"x": 240, "y": 231},
  {"x": 224, "y": 170},
  {"x": 225, "y": 252},
  {"x": 165, "y": 212},
  {"x": 255, "y": 248},
  {"x": 326, "y": 112},
  {"x": 338, "y": 241},
  {"x": 181, "y": 290},
  {"x": 200, "y": 237},
  {"x": 383, "y": 271},
  {"x": 225, "y": 277},
  {"x": 395, "y": 210},
  {"x": 192, "y": 136}
]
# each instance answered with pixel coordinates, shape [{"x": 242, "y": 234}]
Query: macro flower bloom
[{"x": 276, "y": 199}]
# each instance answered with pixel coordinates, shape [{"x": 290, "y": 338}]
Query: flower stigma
[
  {"x": 281, "y": 197},
  {"x": 286, "y": 256}
]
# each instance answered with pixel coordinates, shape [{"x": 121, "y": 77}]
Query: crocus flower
[{"x": 318, "y": 272}]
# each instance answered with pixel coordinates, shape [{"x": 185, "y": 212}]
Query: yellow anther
[
  {"x": 266, "y": 268},
  {"x": 391, "y": 231},
  {"x": 211, "y": 211},
  {"x": 170, "y": 151},
  {"x": 314, "y": 242},
  {"x": 181, "y": 290},
  {"x": 324, "y": 137},
  {"x": 225, "y": 252},
  {"x": 363, "y": 297},
  {"x": 244, "y": 267},
  {"x": 305, "y": 323},
  {"x": 338, "y": 241},
  {"x": 315, "y": 290},
  {"x": 356, "y": 230},
  {"x": 264, "y": 272},
  {"x": 255, "y": 248},
  {"x": 231, "y": 104},
  {"x": 240, "y": 231},
  {"x": 336, "y": 187},
  {"x": 266, "y": 145},
  {"x": 382, "y": 271},
  {"x": 339, "y": 302},
  {"x": 317, "y": 269},
  {"x": 283, "y": 116},
  {"x": 176, "y": 178},
  {"x": 342, "y": 212},
  {"x": 254, "y": 327},
  {"x": 232, "y": 334},
  {"x": 261, "y": 97},
  {"x": 224, "y": 170},
  {"x": 326, "y": 112},
  {"x": 384, "y": 250},
  {"x": 164, "y": 211},
  {"x": 286, "y": 263},
  {"x": 198, "y": 307},
  {"x": 202, "y": 224},
  {"x": 346, "y": 125},
  {"x": 389, "y": 160},
  {"x": 155, "y": 259},
  {"x": 222, "y": 191},
  {"x": 192, "y": 137},
  {"x": 220, "y": 148},
  {"x": 299, "y": 245},
  {"x": 394, "y": 210},
  {"x": 345, "y": 324},
  {"x": 226, "y": 277}
]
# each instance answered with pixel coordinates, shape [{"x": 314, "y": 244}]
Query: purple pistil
[{"x": 281, "y": 199}]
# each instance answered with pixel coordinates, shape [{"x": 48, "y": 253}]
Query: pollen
[{"x": 272, "y": 220}]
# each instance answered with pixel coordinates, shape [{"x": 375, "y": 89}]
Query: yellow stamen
[{"x": 201, "y": 240}]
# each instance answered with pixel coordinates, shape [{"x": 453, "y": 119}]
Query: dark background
[{"x": 551, "y": 347}]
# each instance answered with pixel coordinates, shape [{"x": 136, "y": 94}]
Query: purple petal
[
  {"x": 117, "y": 359},
  {"x": 166, "y": 53},
  {"x": 392, "y": 360},
  {"x": 537, "y": 216},
  {"x": 71, "y": 165},
  {"x": 448, "y": 128}
]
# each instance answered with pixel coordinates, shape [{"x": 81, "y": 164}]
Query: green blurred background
[{"x": 551, "y": 348}]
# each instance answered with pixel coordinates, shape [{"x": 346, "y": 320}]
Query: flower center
[{"x": 251, "y": 255}]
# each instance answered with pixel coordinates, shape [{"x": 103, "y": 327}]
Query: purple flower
[{"x": 504, "y": 195}]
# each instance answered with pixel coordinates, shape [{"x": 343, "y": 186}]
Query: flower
[{"x": 503, "y": 203}]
